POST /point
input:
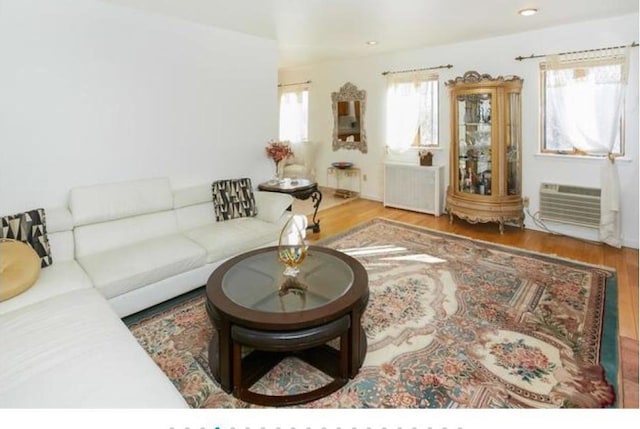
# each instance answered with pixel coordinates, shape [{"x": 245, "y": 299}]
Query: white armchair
[{"x": 301, "y": 164}]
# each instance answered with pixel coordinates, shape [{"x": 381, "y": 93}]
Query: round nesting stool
[
  {"x": 297, "y": 340},
  {"x": 19, "y": 268}
]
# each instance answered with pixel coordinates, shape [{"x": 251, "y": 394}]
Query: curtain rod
[
  {"x": 448, "y": 66},
  {"x": 520, "y": 58},
  {"x": 291, "y": 84}
]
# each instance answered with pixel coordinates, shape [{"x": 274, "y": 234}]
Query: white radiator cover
[
  {"x": 575, "y": 205},
  {"x": 414, "y": 187}
]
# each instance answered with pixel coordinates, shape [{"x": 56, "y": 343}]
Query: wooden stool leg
[
  {"x": 237, "y": 369},
  {"x": 344, "y": 355}
]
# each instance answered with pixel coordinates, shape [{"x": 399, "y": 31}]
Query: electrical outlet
[
  {"x": 525, "y": 201},
  {"x": 364, "y": 177}
]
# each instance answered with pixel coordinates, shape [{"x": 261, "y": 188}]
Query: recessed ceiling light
[
  {"x": 372, "y": 42},
  {"x": 528, "y": 12}
]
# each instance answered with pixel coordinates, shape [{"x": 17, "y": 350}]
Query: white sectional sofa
[{"x": 117, "y": 249}]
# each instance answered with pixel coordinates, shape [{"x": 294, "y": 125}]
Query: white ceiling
[{"x": 309, "y": 31}]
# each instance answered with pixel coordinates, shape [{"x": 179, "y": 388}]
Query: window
[
  {"x": 294, "y": 113},
  {"x": 582, "y": 106},
  {"x": 412, "y": 112}
]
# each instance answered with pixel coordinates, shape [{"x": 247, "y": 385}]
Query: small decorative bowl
[{"x": 342, "y": 165}]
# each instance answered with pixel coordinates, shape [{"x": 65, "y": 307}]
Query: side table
[
  {"x": 301, "y": 189},
  {"x": 345, "y": 172}
]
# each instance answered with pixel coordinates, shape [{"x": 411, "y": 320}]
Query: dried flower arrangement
[{"x": 278, "y": 150}]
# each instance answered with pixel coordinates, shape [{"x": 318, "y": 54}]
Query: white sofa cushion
[
  {"x": 158, "y": 292},
  {"x": 184, "y": 197},
  {"x": 194, "y": 207},
  {"x": 271, "y": 205},
  {"x": 59, "y": 278},
  {"x": 105, "y": 236},
  {"x": 58, "y": 219},
  {"x": 231, "y": 237},
  {"x": 125, "y": 268},
  {"x": 190, "y": 217},
  {"x": 99, "y": 203},
  {"x": 72, "y": 351},
  {"x": 62, "y": 246}
]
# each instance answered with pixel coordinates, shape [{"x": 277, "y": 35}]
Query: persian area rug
[{"x": 451, "y": 323}]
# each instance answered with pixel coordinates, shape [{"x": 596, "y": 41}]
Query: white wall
[
  {"x": 494, "y": 56},
  {"x": 92, "y": 93}
]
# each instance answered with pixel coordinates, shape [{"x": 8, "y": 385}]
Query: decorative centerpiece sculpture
[{"x": 292, "y": 248}]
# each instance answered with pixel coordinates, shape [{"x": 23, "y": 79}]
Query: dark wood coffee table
[
  {"x": 252, "y": 305},
  {"x": 301, "y": 189}
]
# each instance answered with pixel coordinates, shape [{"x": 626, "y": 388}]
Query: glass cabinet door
[
  {"x": 474, "y": 143},
  {"x": 513, "y": 144}
]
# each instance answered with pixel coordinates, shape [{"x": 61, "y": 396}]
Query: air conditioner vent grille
[
  {"x": 576, "y": 190},
  {"x": 570, "y": 204}
]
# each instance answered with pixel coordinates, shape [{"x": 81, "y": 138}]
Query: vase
[
  {"x": 277, "y": 176},
  {"x": 292, "y": 248}
]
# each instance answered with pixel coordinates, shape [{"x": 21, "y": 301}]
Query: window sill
[
  {"x": 557, "y": 156},
  {"x": 427, "y": 148}
]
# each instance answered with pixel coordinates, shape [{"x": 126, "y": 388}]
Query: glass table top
[
  {"x": 257, "y": 282},
  {"x": 287, "y": 185}
]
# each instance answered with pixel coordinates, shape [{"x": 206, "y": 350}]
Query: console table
[{"x": 341, "y": 173}]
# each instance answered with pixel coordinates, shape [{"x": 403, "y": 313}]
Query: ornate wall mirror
[{"x": 348, "y": 118}]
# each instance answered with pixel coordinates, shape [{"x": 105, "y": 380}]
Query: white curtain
[
  {"x": 405, "y": 94},
  {"x": 585, "y": 98},
  {"x": 294, "y": 113}
]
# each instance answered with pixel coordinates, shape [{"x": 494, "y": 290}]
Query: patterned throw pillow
[
  {"x": 233, "y": 198},
  {"x": 29, "y": 227}
]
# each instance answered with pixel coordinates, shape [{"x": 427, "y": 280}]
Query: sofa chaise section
[{"x": 72, "y": 351}]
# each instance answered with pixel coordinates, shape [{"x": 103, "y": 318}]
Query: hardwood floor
[{"x": 625, "y": 261}]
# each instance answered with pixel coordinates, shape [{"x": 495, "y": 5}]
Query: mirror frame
[{"x": 349, "y": 92}]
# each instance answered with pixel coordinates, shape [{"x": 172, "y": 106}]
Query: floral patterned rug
[{"x": 451, "y": 323}]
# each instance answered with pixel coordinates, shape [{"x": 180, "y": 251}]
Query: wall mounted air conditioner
[{"x": 575, "y": 205}]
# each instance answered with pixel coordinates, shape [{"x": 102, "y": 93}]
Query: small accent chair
[{"x": 301, "y": 164}]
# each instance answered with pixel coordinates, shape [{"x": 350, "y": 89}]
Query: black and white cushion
[
  {"x": 233, "y": 198},
  {"x": 29, "y": 227}
]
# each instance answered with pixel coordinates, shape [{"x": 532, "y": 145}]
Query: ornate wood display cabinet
[{"x": 486, "y": 170}]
